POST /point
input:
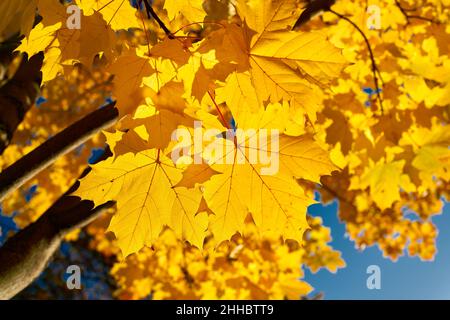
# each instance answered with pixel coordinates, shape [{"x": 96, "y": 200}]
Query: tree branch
[
  {"x": 314, "y": 7},
  {"x": 18, "y": 95},
  {"x": 26, "y": 255},
  {"x": 40, "y": 158},
  {"x": 152, "y": 14},
  {"x": 375, "y": 69},
  {"x": 407, "y": 16}
]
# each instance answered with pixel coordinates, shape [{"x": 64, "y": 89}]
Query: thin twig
[
  {"x": 152, "y": 14},
  {"x": 375, "y": 69},
  {"x": 407, "y": 16},
  {"x": 222, "y": 118}
]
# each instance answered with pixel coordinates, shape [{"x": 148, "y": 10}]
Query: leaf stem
[{"x": 222, "y": 118}]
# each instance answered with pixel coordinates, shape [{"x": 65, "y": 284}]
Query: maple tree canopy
[{"x": 285, "y": 103}]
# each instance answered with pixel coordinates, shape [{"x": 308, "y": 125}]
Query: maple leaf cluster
[
  {"x": 362, "y": 115},
  {"x": 266, "y": 76},
  {"x": 395, "y": 160}
]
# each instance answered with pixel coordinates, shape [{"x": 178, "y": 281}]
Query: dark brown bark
[
  {"x": 68, "y": 139},
  {"x": 26, "y": 255},
  {"x": 18, "y": 95}
]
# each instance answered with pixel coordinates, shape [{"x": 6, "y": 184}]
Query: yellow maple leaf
[
  {"x": 432, "y": 153},
  {"x": 280, "y": 64},
  {"x": 39, "y": 39},
  {"x": 275, "y": 200},
  {"x": 190, "y": 9},
  {"x": 385, "y": 180},
  {"x": 117, "y": 13},
  {"x": 129, "y": 71},
  {"x": 65, "y": 46},
  {"x": 143, "y": 183},
  {"x": 266, "y": 16}
]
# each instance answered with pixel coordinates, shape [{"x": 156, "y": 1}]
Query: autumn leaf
[
  {"x": 119, "y": 14},
  {"x": 143, "y": 214},
  {"x": 280, "y": 65},
  {"x": 275, "y": 201},
  {"x": 191, "y": 10}
]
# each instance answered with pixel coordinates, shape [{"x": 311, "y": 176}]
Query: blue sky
[{"x": 408, "y": 278}]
